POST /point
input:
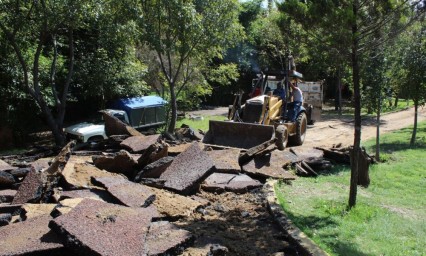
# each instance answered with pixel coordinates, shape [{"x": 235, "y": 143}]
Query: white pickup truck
[{"x": 139, "y": 112}]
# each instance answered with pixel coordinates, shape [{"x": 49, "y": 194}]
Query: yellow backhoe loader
[{"x": 263, "y": 119}]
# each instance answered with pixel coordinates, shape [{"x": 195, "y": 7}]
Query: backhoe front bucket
[{"x": 237, "y": 135}]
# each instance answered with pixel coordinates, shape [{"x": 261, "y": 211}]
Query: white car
[
  {"x": 86, "y": 132},
  {"x": 92, "y": 132}
]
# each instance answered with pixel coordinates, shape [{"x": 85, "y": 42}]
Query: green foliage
[
  {"x": 389, "y": 216},
  {"x": 186, "y": 36},
  {"x": 327, "y": 32},
  {"x": 224, "y": 75},
  {"x": 375, "y": 84},
  {"x": 271, "y": 44},
  {"x": 250, "y": 12},
  {"x": 412, "y": 65},
  {"x": 58, "y": 50},
  {"x": 99, "y": 76},
  {"x": 106, "y": 64}
]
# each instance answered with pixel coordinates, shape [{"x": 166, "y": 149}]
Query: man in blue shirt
[{"x": 280, "y": 92}]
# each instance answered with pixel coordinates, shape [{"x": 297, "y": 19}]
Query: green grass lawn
[
  {"x": 348, "y": 110},
  {"x": 200, "y": 124},
  {"x": 390, "y": 216}
]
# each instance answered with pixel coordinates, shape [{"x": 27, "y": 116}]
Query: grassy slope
[{"x": 390, "y": 215}]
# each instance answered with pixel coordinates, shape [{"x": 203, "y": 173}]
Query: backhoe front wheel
[
  {"x": 301, "y": 124},
  {"x": 281, "y": 135}
]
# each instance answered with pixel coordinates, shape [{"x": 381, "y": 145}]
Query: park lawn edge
[{"x": 386, "y": 221}]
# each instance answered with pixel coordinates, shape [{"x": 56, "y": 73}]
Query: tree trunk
[
  {"x": 357, "y": 105},
  {"x": 56, "y": 128},
  {"x": 339, "y": 93},
  {"x": 379, "y": 109},
  {"x": 173, "y": 105},
  {"x": 413, "y": 135},
  {"x": 61, "y": 106},
  {"x": 395, "y": 105},
  {"x": 363, "y": 166}
]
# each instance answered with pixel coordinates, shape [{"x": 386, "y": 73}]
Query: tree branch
[
  {"x": 53, "y": 71},
  {"x": 21, "y": 59},
  {"x": 185, "y": 77},
  {"x": 61, "y": 114}
]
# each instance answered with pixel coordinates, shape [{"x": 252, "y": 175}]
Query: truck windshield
[{"x": 120, "y": 117}]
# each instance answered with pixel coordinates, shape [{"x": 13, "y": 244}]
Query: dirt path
[
  {"x": 331, "y": 131},
  {"x": 211, "y": 111}
]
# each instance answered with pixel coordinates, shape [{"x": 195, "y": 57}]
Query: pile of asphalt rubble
[{"x": 143, "y": 195}]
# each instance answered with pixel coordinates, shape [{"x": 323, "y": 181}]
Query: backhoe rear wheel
[
  {"x": 301, "y": 124},
  {"x": 281, "y": 134}
]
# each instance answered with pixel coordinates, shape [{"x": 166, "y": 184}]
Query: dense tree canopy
[
  {"x": 58, "y": 47},
  {"x": 89, "y": 52}
]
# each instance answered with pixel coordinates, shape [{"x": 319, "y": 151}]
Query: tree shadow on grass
[
  {"x": 306, "y": 223},
  {"x": 335, "y": 170},
  {"x": 400, "y": 145}
]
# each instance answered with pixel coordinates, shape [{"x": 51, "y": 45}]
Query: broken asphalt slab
[
  {"x": 271, "y": 166},
  {"x": 79, "y": 176},
  {"x": 165, "y": 238},
  {"x": 306, "y": 152},
  {"x": 154, "y": 169},
  {"x": 42, "y": 163},
  {"x": 178, "y": 149},
  {"x": 6, "y": 179},
  {"x": 60, "y": 161},
  {"x": 187, "y": 170},
  {"x": 5, "y": 219},
  {"x": 225, "y": 160},
  {"x": 153, "y": 153},
  {"x": 7, "y": 195},
  {"x": 30, "y": 189},
  {"x": 114, "y": 126},
  {"x": 128, "y": 193},
  {"x": 138, "y": 144},
  {"x": 20, "y": 172},
  {"x": 5, "y": 166},
  {"x": 30, "y": 237},
  {"x": 13, "y": 209},
  {"x": 93, "y": 193},
  {"x": 97, "y": 228},
  {"x": 221, "y": 182},
  {"x": 123, "y": 162}
]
